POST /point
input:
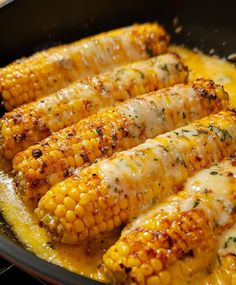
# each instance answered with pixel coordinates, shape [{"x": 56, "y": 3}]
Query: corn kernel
[
  {"x": 133, "y": 261},
  {"x": 146, "y": 269},
  {"x": 70, "y": 216},
  {"x": 156, "y": 264},
  {"x": 69, "y": 203},
  {"x": 153, "y": 280},
  {"x": 123, "y": 203},
  {"x": 102, "y": 227},
  {"x": 78, "y": 225},
  {"x": 74, "y": 194},
  {"x": 79, "y": 210},
  {"x": 165, "y": 277},
  {"x": 110, "y": 225},
  {"x": 60, "y": 211}
]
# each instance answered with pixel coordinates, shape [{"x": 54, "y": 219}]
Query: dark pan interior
[{"x": 28, "y": 26}]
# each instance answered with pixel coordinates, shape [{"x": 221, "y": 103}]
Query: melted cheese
[
  {"x": 227, "y": 243},
  {"x": 85, "y": 259}
]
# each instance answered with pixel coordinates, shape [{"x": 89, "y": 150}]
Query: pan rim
[{"x": 29, "y": 262}]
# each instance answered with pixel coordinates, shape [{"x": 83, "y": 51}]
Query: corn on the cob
[
  {"x": 48, "y": 71},
  {"x": 35, "y": 121},
  {"x": 121, "y": 127},
  {"x": 107, "y": 194},
  {"x": 179, "y": 238},
  {"x": 223, "y": 269},
  {"x": 224, "y": 273}
]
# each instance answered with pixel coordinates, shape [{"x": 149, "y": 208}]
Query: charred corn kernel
[
  {"x": 136, "y": 120},
  {"x": 48, "y": 71},
  {"x": 35, "y": 121},
  {"x": 145, "y": 174},
  {"x": 185, "y": 232}
]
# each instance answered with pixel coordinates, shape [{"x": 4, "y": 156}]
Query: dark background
[{"x": 27, "y": 26}]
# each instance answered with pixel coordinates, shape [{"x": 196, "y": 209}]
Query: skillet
[{"x": 28, "y": 26}]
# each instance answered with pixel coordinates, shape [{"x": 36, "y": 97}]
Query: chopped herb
[
  {"x": 164, "y": 67},
  {"x": 142, "y": 75},
  {"x": 230, "y": 239},
  {"x": 202, "y": 132},
  {"x": 225, "y": 135},
  {"x": 213, "y": 172},
  {"x": 184, "y": 115},
  {"x": 218, "y": 258},
  {"x": 50, "y": 244},
  {"x": 165, "y": 149},
  {"x": 149, "y": 51},
  {"x": 155, "y": 159},
  {"x": 163, "y": 110},
  {"x": 185, "y": 131},
  {"x": 196, "y": 202},
  {"x": 117, "y": 180},
  {"x": 139, "y": 153},
  {"x": 98, "y": 131},
  {"x": 216, "y": 224},
  {"x": 114, "y": 189},
  {"x": 154, "y": 200},
  {"x": 153, "y": 104}
]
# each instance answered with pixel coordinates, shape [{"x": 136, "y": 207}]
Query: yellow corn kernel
[
  {"x": 153, "y": 280},
  {"x": 60, "y": 211},
  {"x": 78, "y": 225},
  {"x": 69, "y": 203}
]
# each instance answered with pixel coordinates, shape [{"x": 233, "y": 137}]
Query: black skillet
[{"x": 27, "y": 26}]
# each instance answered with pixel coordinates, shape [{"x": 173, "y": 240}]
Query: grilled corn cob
[
  {"x": 223, "y": 270},
  {"x": 121, "y": 127},
  {"x": 225, "y": 273},
  {"x": 48, "y": 71},
  {"x": 33, "y": 122},
  {"x": 180, "y": 237},
  {"x": 107, "y": 194}
]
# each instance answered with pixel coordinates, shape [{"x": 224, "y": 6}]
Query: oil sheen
[{"x": 86, "y": 259}]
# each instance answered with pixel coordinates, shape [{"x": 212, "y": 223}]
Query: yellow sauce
[{"x": 86, "y": 259}]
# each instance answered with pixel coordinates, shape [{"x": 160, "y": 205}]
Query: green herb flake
[
  {"x": 184, "y": 115},
  {"x": 213, "y": 173},
  {"x": 154, "y": 200},
  {"x": 149, "y": 51},
  {"x": 228, "y": 241},
  {"x": 98, "y": 131},
  {"x": 218, "y": 258},
  {"x": 117, "y": 180},
  {"x": 164, "y": 67},
  {"x": 50, "y": 244},
  {"x": 196, "y": 203}
]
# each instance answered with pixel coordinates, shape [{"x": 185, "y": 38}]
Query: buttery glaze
[{"x": 86, "y": 259}]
